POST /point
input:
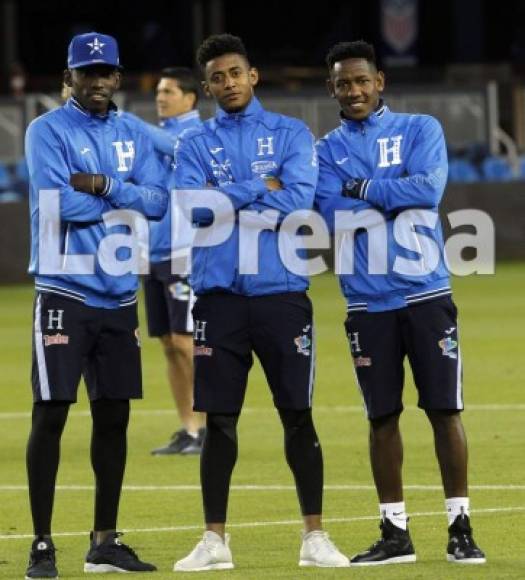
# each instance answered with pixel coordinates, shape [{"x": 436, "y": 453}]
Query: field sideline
[{"x": 161, "y": 509}]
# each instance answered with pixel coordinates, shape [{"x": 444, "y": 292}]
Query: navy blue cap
[{"x": 92, "y": 48}]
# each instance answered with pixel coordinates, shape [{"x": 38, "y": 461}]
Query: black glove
[
  {"x": 355, "y": 188},
  {"x": 93, "y": 183}
]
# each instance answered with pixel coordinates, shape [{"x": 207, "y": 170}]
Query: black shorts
[
  {"x": 71, "y": 339},
  {"x": 169, "y": 300},
  {"x": 228, "y": 328},
  {"x": 428, "y": 334}
]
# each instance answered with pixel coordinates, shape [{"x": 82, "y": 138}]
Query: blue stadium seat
[
  {"x": 21, "y": 170},
  {"x": 496, "y": 169},
  {"x": 463, "y": 171},
  {"x": 5, "y": 177}
]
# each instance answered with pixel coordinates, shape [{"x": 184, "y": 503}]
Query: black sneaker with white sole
[
  {"x": 181, "y": 443},
  {"x": 462, "y": 548},
  {"x": 114, "y": 556},
  {"x": 394, "y": 547},
  {"x": 42, "y": 563}
]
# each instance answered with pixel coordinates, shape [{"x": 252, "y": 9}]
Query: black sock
[
  {"x": 218, "y": 458},
  {"x": 108, "y": 457},
  {"x": 304, "y": 456},
  {"x": 42, "y": 459}
]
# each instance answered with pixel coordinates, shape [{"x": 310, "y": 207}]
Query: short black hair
[
  {"x": 185, "y": 78},
  {"x": 217, "y": 45},
  {"x": 356, "y": 49}
]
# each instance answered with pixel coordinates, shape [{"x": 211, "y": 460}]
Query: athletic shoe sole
[
  {"x": 311, "y": 563},
  {"x": 410, "y": 559},
  {"x": 221, "y": 566},
  {"x": 104, "y": 568},
  {"x": 452, "y": 558}
]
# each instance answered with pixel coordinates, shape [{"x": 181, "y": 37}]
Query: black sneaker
[
  {"x": 42, "y": 560},
  {"x": 394, "y": 547},
  {"x": 114, "y": 556},
  {"x": 461, "y": 545},
  {"x": 182, "y": 443}
]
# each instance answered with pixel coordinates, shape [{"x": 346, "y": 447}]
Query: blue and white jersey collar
[
  {"x": 252, "y": 111},
  {"x": 73, "y": 106},
  {"x": 375, "y": 118}
]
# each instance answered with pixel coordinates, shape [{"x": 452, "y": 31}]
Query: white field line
[
  {"x": 254, "y": 487},
  {"x": 248, "y": 410},
  {"x": 265, "y": 524}
]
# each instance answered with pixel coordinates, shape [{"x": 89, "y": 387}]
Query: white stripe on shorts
[
  {"x": 189, "y": 317},
  {"x": 40, "y": 356}
]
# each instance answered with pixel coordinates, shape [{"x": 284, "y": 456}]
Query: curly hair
[
  {"x": 356, "y": 49},
  {"x": 217, "y": 45}
]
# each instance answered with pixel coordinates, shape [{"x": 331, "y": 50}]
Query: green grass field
[{"x": 161, "y": 509}]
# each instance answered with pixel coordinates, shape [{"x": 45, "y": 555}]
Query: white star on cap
[{"x": 96, "y": 46}]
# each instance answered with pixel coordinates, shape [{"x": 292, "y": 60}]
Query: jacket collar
[
  {"x": 174, "y": 122},
  {"x": 375, "y": 118},
  {"x": 251, "y": 112},
  {"x": 73, "y": 107}
]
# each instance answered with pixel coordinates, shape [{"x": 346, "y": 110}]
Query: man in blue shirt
[
  {"x": 391, "y": 170},
  {"x": 85, "y": 323},
  {"x": 260, "y": 161},
  {"x": 169, "y": 297}
]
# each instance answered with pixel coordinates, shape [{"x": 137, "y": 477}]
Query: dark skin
[
  {"x": 230, "y": 81},
  {"x": 93, "y": 87},
  {"x": 357, "y": 85}
]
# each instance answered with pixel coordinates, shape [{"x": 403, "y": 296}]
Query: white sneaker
[
  {"x": 318, "y": 550},
  {"x": 211, "y": 553}
]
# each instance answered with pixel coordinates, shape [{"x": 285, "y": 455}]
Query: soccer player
[
  {"x": 86, "y": 324},
  {"x": 389, "y": 163},
  {"x": 169, "y": 297},
  {"x": 261, "y": 161}
]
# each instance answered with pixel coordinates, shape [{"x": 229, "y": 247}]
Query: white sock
[
  {"x": 395, "y": 512},
  {"x": 193, "y": 434},
  {"x": 456, "y": 506}
]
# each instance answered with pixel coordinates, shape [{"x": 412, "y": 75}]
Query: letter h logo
[
  {"x": 54, "y": 321},
  {"x": 264, "y": 146},
  {"x": 390, "y": 155},
  {"x": 199, "y": 330},
  {"x": 123, "y": 156}
]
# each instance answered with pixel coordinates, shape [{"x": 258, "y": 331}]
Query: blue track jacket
[
  {"x": 403, "y": 159},
  {"x": 164, "y": 139},
  {"x": 232, "y": 152},
  {"x": 71, "y": 140}
]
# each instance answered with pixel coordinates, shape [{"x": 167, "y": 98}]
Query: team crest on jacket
[
  {"x": 303, "y": 344},
  {"x": 448, "y": 347}
]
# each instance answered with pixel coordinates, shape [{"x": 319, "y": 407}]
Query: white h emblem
[
  {"x": 123, "y": 155},
  {"x": 199, "y": 330},
  {"x": 53, "y": 318},
  {"x": 265, "y": 143},
  {"x": 394, "y": 150},
  {"x": 353, "y": 338}
]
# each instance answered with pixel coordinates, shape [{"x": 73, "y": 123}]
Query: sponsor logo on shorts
[
  {"x": 137, "y": 337},
  {"x": 50, "y": 339},
  {"x": 303, "y": 343},
  {"x": 180, "y": 291},
  {"x": 202, "y": 350},
  {"x": 362, "y": 361},
  {"x": 448, "y": 347}
]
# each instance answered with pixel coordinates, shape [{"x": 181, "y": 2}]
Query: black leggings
[
  {"x": 108, "y": 458},
  {"x": 219, "y": 454}
]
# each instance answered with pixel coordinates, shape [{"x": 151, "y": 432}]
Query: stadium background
[{"x": 462, "y": 61}]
